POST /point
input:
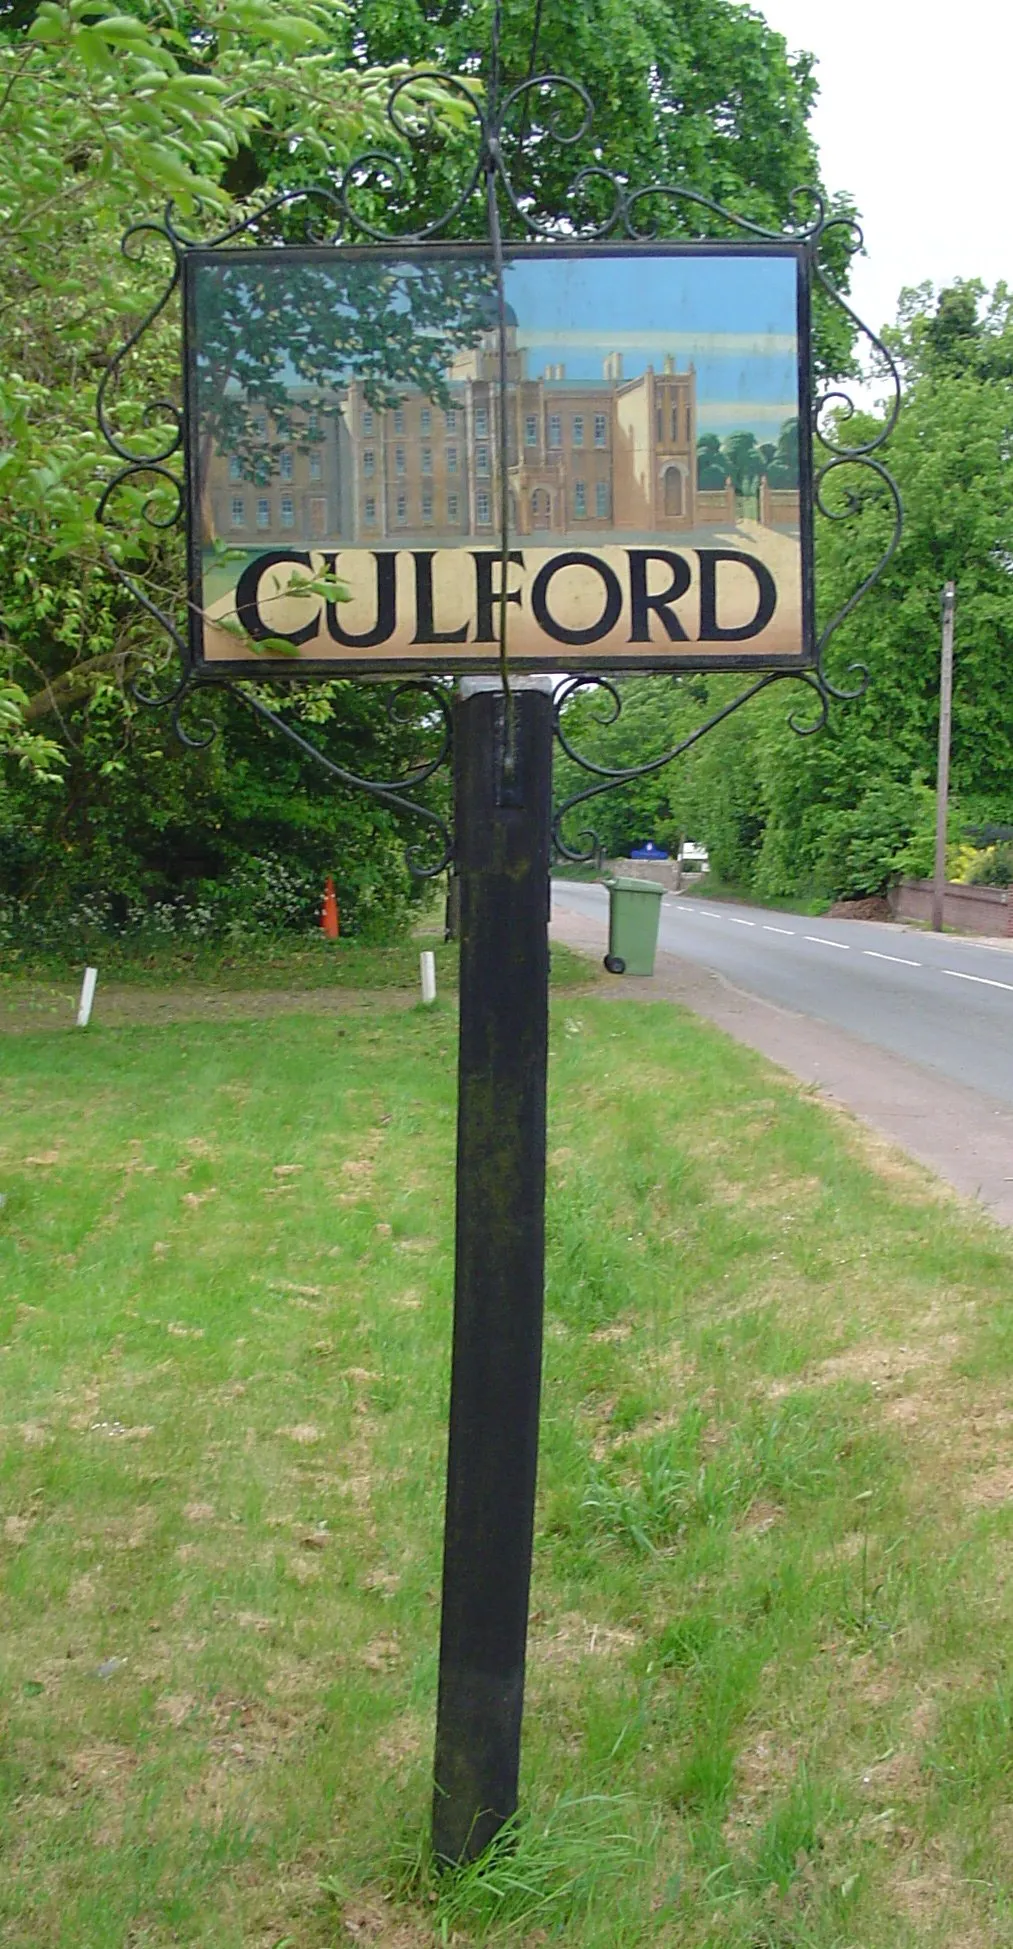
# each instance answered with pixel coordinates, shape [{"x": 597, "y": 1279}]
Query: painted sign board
[{"x": 344, "y": 452}]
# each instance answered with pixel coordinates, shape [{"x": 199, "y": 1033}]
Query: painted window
[
  {"x": 313, "y": 426},
  {"x": 399, "y": 460},
  {"x": 578, "y": 429},
  {"x": 399, "y": 420},
  {"x": 235, "y": 467},
  {"x": 483, "y": 508},
  {"x": 402, "y": 508},
  {"x": 263, "y": 512},
  {"x": 531, "y": 430},
  {"x": 601, "y": 499},
  {"x": 453, "y": 506},
  {"x": 427, "y": 460},
  {"x": 368, "y": 460},
  {"x": 315, "y": 467},
  {"x": 450, "y": 416},
  {"x": 451, "y": 460},
  {"x": 260, "y": 426},
  {"x": 481, "y": 458},
  {"x": 425, "y": 420},
  {"x": 481, "y": 422},
  {"x": 370, "y": 505},
  {"x": 427, "y": 507},
  {"x": 367, "y": 419},
  {"x": 555, "y": 430},
  {"x": 580, "y": 497},
  {"x": 287, "y": 511},
  {"x": 238, "y": 511},
  {"x": 600, "y": 430},
  {"x": 285, "y": 463}
]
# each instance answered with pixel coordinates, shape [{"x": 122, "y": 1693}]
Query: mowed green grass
[{"x": 770, "y": 1693}]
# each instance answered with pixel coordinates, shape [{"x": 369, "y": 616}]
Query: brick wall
[
  {"x": 779, "y": 506},
  {"x": 974, "y": 910},
  {"x": 714, "y": 505}
]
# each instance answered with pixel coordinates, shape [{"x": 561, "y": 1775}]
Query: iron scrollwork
[{"x": 505, "y": 121}]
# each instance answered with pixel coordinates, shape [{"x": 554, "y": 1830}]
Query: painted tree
[{"x": 267, "y": 340}]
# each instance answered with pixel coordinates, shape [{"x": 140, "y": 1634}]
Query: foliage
[
  {"x": 243, "y": 827},
  {"x": 104, "y": 115},
  {"x": 852, "y": 808},
  {"x": 695, "y": 94},
  {"x": 992, "y": 867}
]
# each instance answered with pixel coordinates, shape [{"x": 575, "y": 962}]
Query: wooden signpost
[
  {"x": 495, "y": 462},
  {"x": 356, "y": 473}
]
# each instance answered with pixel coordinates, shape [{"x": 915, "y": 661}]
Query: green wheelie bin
[{"x": 634, "y": 913}]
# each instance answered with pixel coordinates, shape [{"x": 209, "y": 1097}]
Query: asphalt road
[{"x": 941, "y": 1001}]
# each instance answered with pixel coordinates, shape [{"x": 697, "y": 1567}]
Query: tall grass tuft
[{"x": 552, "y": 1871}]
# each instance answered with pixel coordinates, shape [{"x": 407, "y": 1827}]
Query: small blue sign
[{"x": 648, "y": 851}]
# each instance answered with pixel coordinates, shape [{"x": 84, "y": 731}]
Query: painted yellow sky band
[{"x": 695, "y": 345}]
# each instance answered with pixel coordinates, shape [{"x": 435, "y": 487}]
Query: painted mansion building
[{"x": 584, "y": 455}]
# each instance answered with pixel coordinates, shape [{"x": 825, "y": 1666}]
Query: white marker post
[
  {"x": 87, "y": 997},
  {"x": 427, "y": 966}
]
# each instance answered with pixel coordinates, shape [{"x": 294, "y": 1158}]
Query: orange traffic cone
[{"x": 329, "y": 912}]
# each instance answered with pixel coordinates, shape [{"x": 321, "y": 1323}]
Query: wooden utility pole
[{"x": 943, "y": 763}]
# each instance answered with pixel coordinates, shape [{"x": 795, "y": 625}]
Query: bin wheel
[{"x": 615, "y": 964}]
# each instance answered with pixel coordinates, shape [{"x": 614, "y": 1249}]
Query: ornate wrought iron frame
[{"x": 346, "y": 212}]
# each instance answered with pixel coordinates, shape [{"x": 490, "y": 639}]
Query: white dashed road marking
[
  {"x": 844, "y": 947},
  {"x": 982, "y": 980},
  {"x": 874, "y": 955}
]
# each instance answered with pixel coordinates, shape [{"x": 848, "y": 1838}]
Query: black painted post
[{"x": 502, "y": 825}]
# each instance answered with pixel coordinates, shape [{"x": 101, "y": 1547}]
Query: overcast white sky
[{"x": 915, "y": 118}]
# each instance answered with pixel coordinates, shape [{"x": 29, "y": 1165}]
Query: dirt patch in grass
[
  {"x": 377, "y": 1923},
  {"x": 568, "y": 1640},
  {"x": 930, "y": 1895}
]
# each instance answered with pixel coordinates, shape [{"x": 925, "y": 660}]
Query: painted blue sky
[{"x": 734, "y": 317}]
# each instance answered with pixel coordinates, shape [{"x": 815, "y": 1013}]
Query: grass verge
[
  {"x": 770, "y": 1703},
  {"x": 276, "y": 961},
  {"x": 304, "y": 977}
]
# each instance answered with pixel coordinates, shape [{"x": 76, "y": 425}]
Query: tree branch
[{"x": 63, "y": 689}]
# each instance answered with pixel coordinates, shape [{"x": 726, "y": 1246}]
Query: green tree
[
  {"x": 698, "y": 94},
  {"x": 844, "y": 812},
  {"x": 104, "y": 115}
]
